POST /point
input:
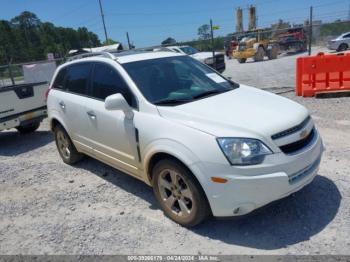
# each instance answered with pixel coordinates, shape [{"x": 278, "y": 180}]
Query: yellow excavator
[{"x": 255, "y": 44}]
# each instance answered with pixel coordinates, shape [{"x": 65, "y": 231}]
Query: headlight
[
  {"x": 243, "y": 151},
  {"x": 209, "y": 60}
]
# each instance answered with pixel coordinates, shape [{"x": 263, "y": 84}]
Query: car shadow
[
  {"x": 13, "y": 143},
  {"x": 285, "y": 222}
]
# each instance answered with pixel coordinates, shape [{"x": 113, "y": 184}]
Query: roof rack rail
[{"x": 90, "y": 54}]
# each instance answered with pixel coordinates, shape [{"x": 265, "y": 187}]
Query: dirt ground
[{"x": 47, "y": 207}]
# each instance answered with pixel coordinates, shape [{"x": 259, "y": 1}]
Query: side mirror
[{"x": 118, "y": 102}]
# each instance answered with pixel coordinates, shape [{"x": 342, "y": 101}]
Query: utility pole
[
  {"x": 103, "y": 20},
  {"x": 127, "y": 36},
  {"x": 212, "y": 42},
  {"x": 310, "y": 30}
]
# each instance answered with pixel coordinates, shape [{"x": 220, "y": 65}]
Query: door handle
[
  {"x": 62, "y": 105},
  {"x": 91, "y": 114}
]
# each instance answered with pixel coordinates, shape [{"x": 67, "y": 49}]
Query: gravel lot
[{"x": 47, "y": 207}]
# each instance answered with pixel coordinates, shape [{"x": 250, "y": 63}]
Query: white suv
[{"x": 207, "y": 145}]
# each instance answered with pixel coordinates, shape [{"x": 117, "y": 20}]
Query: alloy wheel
[
  {"x": 63, "y": 144},
  {"x": 175, "y": 193}
]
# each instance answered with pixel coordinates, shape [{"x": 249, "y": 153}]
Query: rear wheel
[
  {"x": 259, "y": 55},
  {"x": 342, "y": 47},
  {"x": 179, "y": 194},
  {"x": 242, "y": 60},
  {"x": 65, "y": 146},
  {"x": 29, "y": 128}
]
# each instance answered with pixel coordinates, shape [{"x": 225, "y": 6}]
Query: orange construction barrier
[{"x": 322, "y": 73}]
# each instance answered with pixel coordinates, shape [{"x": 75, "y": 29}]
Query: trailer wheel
[
  {"x": 29, "y": 128},
  {"x": 242, "y": 60}
]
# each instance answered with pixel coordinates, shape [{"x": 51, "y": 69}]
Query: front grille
[
  {"x": 292, "y": 129},
  {"x": 298, "y": 145}
]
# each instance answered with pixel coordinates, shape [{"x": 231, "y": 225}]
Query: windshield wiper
[
  {"x": 172, "y": 101},
  {"x": 210, "y": 92}
]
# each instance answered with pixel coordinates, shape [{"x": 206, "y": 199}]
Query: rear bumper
[
  {"x": 36, "y": 115},
  {"x": 220, "y": 67},
  {"x": 245, "y": 193}
]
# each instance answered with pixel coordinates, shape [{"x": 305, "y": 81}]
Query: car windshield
[
  {"x": 176, "y": 80},
  {"x": 189, "y": 50}
]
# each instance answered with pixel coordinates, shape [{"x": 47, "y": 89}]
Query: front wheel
[
  {"x": 29, "y": 128},
  {"x": 242, "y": 60},
  {"x": 342, "y": 47},
  {"x": 179, "y": 194},
  {"x": 259, "y": 55}
]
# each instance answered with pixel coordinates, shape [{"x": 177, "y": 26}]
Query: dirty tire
[
  {"x": 29, "y": 128},
  {"x": 242, "y": 60},
  {"x": 342, "y": 47},
  {"x": 65, "y": 147},
  {"x": 174, "y": 186},
  {"x": 273, "y": 53},
  {"x": 260, "y": 53}
]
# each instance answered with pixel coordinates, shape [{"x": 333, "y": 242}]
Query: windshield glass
[
  {"x": 176, "y": 80},
  {"x": 189, "y": 50}
]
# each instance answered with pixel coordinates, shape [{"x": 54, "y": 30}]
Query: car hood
[
  {"x": 203, "y": 55},
  {"x": 242, "y": 112}
]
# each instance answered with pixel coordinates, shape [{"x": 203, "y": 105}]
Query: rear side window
[
  {"x": 107, "y": 81},
  {"x": 59, "y": 81},
  {"x": 78, "y": 77}
]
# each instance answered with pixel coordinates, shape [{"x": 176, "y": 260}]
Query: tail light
[{"x": 47, "y": 93}]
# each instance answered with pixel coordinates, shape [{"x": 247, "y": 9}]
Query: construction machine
[
  {"x": 293, "y": 39},
  {"x": 256, "y": 44}
]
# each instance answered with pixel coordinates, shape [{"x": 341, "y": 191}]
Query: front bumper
[
  {"x": 249, "y": 188},
  {"x": 333, "y": 46}
]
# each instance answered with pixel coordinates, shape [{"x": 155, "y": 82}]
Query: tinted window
[
  {"x": 175, "y": 78},
  {"x": 78, "y": 77},
  {"x": 58, "y": 84},
  {"x": 346, "y": 36},
  {"x": 107, "y": 81}
]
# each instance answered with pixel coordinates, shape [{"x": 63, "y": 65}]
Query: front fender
[{"x": 171, "y": 147}]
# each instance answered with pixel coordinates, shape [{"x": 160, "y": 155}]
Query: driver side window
[{"x": 107, "y": 81}]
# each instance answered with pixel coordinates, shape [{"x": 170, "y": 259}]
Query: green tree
[
  {"x": 204, "y": 32},
  {"x": 110, "y": 41},
  {"x": 169, "y": 41},
  {"x": 26, "y": 38}
]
